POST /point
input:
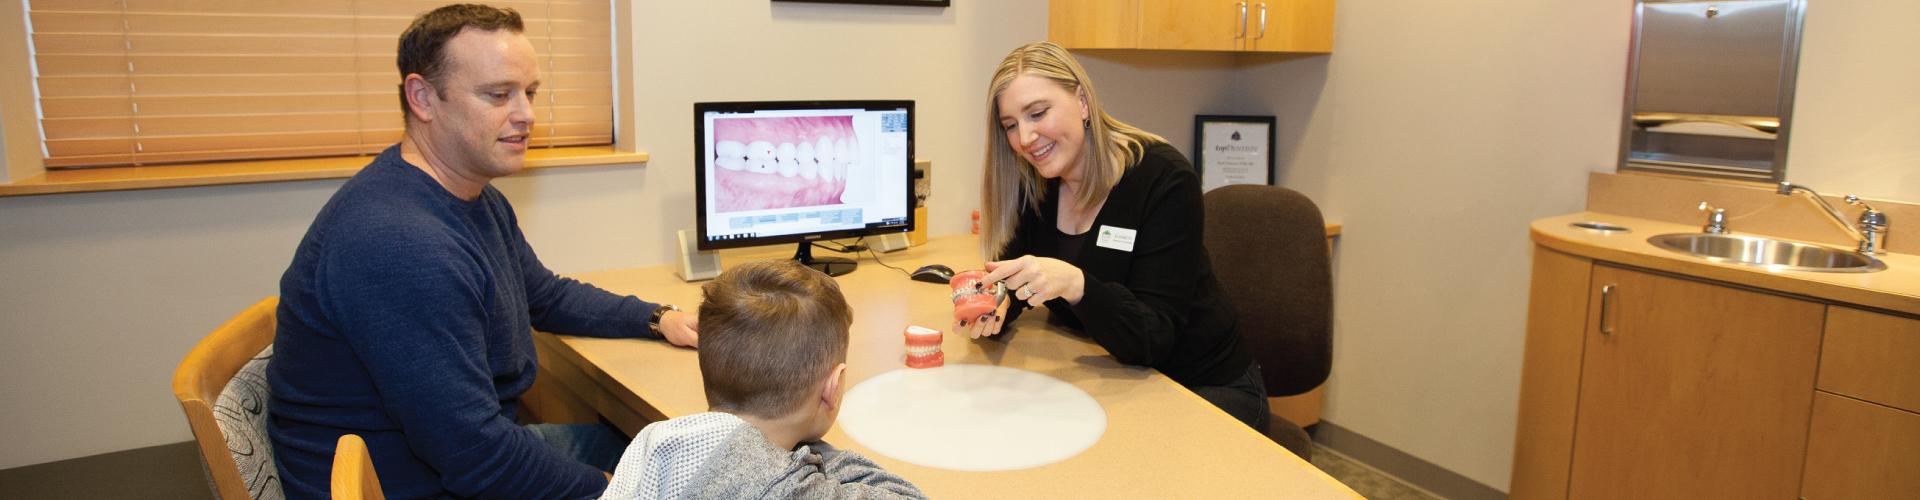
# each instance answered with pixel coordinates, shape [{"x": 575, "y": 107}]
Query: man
[{"x": 406, "y": 316}]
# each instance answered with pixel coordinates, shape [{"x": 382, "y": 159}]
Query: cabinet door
[
  {"x": 1093, "y": 24},
  {"x": 1290, "y": 26},
  {"x": 1861, "y": 451},
  {"x": 1192, "y": 24},
  {"x": 1692, "y": 390}
]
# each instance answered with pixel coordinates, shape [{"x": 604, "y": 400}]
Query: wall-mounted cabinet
[{"x": 1293, "y": 26}]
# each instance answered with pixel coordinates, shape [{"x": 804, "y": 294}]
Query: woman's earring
[{"x": 1086, "y": 124}]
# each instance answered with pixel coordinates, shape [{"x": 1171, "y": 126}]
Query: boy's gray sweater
[{"x": 719, "y": 456}]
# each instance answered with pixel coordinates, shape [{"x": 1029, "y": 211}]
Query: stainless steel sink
[{"x": 1767, "y": 253}]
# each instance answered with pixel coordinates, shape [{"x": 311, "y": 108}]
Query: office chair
[
  {"x": 222, "y": 385},
  {"x": 353, "y": 476},
  {"x": 1274, "y": 243}
]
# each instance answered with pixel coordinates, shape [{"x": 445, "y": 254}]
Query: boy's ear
[{"x": 830, "y": 388}]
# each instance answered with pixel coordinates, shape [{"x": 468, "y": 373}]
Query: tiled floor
[{"x": 1369, "y": 483}]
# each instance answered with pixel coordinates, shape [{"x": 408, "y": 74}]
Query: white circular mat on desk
[{"x": 972, "y": 417}]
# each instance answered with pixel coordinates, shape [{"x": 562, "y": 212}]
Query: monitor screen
[{"x": 799, "y": 171}]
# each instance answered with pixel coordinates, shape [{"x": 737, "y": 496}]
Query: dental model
[
  {"x": 972, "y": 298},
  {"x": 923, "y": 348}
]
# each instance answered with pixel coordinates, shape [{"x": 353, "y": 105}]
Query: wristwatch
[{"x": 653, "y": 322}]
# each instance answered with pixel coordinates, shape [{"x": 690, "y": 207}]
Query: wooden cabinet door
[
  {"x": 1861, "y": 451},
  {"x": 1691, "y": 390},
  {"x": 1093, "y": 24},
  {"x": 1192, "y": 24},
  {"x": 1290, "y": 26}
]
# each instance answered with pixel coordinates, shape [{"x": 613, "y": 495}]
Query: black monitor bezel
[{"x": 700, "y": 109}]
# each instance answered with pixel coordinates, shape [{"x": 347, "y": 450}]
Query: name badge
[{"x": 1117, "y": 238}]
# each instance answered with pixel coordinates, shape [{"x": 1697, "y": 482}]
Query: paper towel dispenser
[{"x": 1710, "y": 87}]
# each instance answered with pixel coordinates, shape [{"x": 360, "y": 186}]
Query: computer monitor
[{"x": 800, "y": 171}]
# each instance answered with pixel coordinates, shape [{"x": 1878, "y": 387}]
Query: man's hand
[{"x": 681, "y": 328}]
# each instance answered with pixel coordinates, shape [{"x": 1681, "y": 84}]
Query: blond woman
[{"x": 1101, "y": 222}]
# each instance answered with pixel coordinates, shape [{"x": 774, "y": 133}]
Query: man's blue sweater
[{"x": 406, "y": 318}]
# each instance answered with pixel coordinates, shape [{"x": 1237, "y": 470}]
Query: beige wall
[
  {"x": 1435, "y": 133},
  {"x": 1856, "y": 112}
]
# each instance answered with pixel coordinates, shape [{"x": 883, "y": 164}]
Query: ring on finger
[{"x": 1027, "y": 288}]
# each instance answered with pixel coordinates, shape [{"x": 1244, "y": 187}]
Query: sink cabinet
[
  {"x": 1646, "y": 384},
  {"x": 1677, "y": 370},
  {"x": 1296, "y": 26},
  {"x": 1865, "y": 437}
]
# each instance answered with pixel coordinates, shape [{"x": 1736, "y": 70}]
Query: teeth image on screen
[{"x": 785, "y": 162}]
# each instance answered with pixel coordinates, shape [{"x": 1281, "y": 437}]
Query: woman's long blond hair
[{"x": 1008, "y": 180}]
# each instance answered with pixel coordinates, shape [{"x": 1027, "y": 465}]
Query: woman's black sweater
[{"x": 1159, "y": 304}]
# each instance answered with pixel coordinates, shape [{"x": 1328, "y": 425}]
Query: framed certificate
[{"x": 1233, "y": 150}]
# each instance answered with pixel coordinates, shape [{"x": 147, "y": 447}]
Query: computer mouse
[{"x": 934, "y": 274}]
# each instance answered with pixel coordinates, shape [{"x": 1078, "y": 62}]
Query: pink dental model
[
  {"x": 923, "y": 348},
  {"x": 973, "y": 298}
]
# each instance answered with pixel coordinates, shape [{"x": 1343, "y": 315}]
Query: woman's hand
[
  {"x": 1038, "y": 279},
  {"x": 984, "y": 326}
]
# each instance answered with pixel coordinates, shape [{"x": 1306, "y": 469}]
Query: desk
[{"x": 1162, "y": 441}]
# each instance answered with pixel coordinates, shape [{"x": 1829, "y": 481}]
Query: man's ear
[
  {"x": 830, "y": 388},
  {"x": 420, "y": 94}
]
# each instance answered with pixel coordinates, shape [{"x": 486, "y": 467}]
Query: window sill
[{"x": 248, "y": 172}]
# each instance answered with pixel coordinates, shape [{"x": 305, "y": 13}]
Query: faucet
[
  {"x": 1872, "y": 231},
  {"x": 1716, "y": 219}
]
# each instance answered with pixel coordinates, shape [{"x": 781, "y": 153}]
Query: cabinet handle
[
  {"x": 1606, "y": 302},
  {"x": 1243, "y": 19},
  {"x": 1263, "y": 21}
]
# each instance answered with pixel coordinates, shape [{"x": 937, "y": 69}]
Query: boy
[{"x": 773, "y": 348}]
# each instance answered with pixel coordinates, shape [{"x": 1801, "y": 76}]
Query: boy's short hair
[{"x": 770, "y": 331}]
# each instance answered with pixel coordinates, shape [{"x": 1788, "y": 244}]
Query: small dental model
[
  {"x": 973, "y": 298},
  {"x": 923, "y": 348}
]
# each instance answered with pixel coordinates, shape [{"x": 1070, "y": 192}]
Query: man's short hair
[
  {"x": 423, "y": 45},
  {"x": 770, "y": 331}
]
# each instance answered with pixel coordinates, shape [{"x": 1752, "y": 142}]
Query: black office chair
[{"x": 1268, "y": 245}]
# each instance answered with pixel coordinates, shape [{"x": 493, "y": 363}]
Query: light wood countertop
[
  {"x": 1896, "y": 289},
  {"x": 1162, "y": 441}
]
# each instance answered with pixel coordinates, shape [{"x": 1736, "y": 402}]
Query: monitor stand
[{"x": 833, "y": 266}]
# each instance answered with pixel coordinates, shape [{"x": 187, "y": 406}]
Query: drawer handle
[{"x": 1606, "y": 303}]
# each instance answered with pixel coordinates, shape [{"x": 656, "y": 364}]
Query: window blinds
[{"x": 142, "y": 82}]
